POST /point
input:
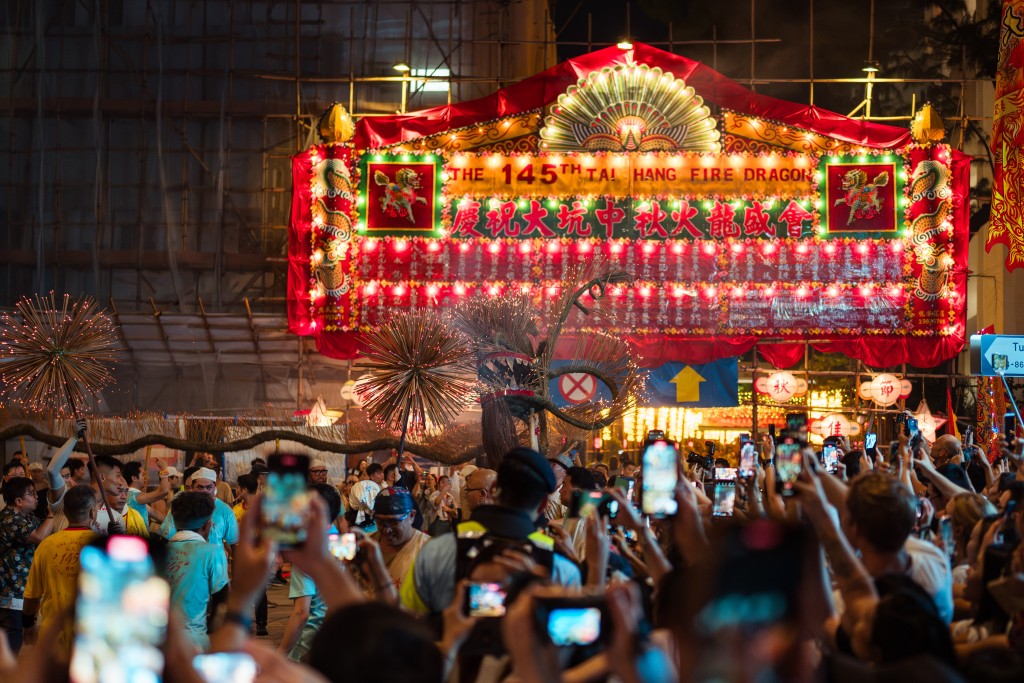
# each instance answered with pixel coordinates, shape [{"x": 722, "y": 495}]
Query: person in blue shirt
[
  {"x": 224, "y": 526},
  {"x": 196, "y": 569},
  {"x": 308, "y": 607}
]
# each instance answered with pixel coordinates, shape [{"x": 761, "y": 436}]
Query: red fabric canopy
[{"x": 544, "y": 88}]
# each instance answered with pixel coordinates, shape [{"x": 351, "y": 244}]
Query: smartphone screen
[
  {"x": 748, "y": 455},
  {"x": 626, "y": 484},
  {"x": 574, "y": 625},
  {"x": 343, "y": 546},
  {"x": 771, "y": 430},
  {"x": 725, "y": 499},
  {"x": 911, "y": 427},
  {"x": 725, "y": 473},
  {"x": 120, "y": 614},
  {"x": 661, "y": 472},
  {"x": 788, "y": 461},
  {"x": 829, "y": 457},
  {"x": 796, "y": 426},
  {"x": 1010, "y": 428},
  {"x": 485, "y": 600},
  {"x": 225, "y": 667},
  {"x": 870, "y": 439},
  {"x": 593, "y": 503},
  {"x": 969, "y": 437},
  {"x": 286, "y": 499},
  {"x": 946, "y": 533}
]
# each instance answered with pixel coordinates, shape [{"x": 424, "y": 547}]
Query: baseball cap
[
  {"x": 534, "y": 463},
  {"x": 395, "y": 501},
  {"x": 172, "y": 472},
  {"x": 316, "y": 464},
  {"x": 203, "y": 473},
  {"x": 564, "y": 460},
  {"x": 258, "y": 468}
]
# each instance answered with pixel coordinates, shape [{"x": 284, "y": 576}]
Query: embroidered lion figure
[
  {"x": 399, "y": 196},
  {"x": 862, "y": 196}
]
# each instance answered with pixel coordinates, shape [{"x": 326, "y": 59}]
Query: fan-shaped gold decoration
[{"x": 630, "y": 108}]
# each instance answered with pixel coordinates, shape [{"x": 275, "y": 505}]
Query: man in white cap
[
  {"x": 224, "y": 526},
  {"x": 317, "y": 472}
]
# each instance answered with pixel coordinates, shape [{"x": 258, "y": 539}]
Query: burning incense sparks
[{"x": 53, "y": 355}]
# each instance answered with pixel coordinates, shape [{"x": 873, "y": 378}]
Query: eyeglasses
[
  {"x": 470, "y": 490},
  {"x": 324, "y": 471}
]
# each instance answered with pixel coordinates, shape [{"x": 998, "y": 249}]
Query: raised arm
[
  {"x": 945, "y": 486},
  {"x": 145, "y": 498},
  {"x": 337, "y": 587},
  {"x": 852, "y": 579},
  {"x": 59, "y": 460}
]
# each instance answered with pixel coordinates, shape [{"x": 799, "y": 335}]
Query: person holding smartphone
[{"x": 308, "y": 606}]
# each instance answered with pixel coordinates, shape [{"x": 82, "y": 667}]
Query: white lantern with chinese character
[
  {"x": 781, "y": 386},
  {"x": 885, "y": 389},
  {"x": 834, "y": 424}
]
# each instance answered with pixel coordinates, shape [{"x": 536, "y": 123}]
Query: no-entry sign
[{"x": 577, "y": 387}]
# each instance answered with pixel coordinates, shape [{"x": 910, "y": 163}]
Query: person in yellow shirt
[
  {"x": 248, "y": 487},
  {"x": 53, "y": 577}
]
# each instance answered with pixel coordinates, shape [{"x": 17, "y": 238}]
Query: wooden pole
[{"x": 93, "y": 470}]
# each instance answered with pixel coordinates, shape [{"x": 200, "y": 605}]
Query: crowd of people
[{"x": 902, "y": 562}]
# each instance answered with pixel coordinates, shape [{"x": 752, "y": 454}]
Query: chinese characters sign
[
  {"x": 608, "y": 218},
  {"x": 782, "y": 245},
  {"x": 629, "y": 175}
]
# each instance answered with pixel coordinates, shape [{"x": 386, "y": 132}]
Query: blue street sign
[
  {"x": 676, "y": 384},
  {"x": 711, "y": 385},
  {"x": 997, "y": 354}
]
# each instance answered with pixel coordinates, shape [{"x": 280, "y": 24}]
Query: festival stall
[{"x": 743, "y": 219}]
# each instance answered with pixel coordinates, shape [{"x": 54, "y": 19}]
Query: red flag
[
  {"x": 1007, "y": 221},
  {"x": 991, "y": 329},
  {"x": 951, "y": 426}
]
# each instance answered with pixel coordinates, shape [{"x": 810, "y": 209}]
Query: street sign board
[
  {"x": 997, "y": 354},
  {"x": 714, "y": 384},
  {"x": 577, "y": 387}
]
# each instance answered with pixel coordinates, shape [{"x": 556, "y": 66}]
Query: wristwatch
[{"x": 225, "y": 615}]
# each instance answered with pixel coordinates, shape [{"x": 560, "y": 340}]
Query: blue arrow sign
[
  {"x": 710, "y": 385},
  {"x": 676, "y": 384},
  {"x": 997, "y": 354}
]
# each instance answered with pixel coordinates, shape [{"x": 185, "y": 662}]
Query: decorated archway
[{"x": 742, "y": 218}]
